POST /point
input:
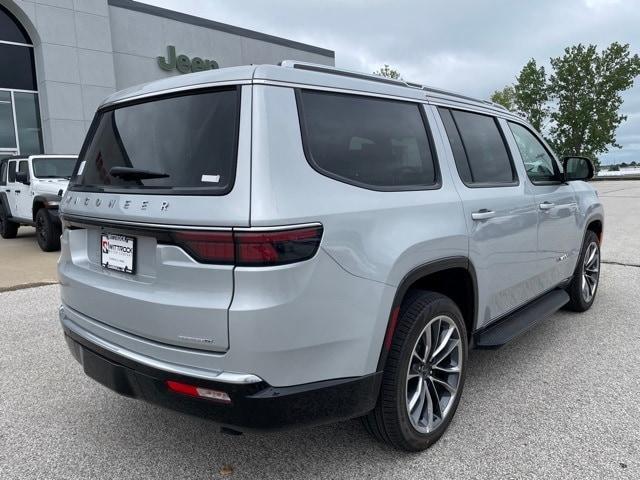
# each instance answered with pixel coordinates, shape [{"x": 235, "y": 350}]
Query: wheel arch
[
  {"x": 4, "y": 204},
  {"x": 454, "y": 277},
  {"x": 49, "y": 202}
]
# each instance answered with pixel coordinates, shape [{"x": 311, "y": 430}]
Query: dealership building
[{"x": 61, "y": 58}]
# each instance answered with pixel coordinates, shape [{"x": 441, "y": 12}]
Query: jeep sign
[{"x": 184, "y": 64}]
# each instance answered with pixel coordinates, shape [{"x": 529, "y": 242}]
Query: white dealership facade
[{"x": 61, "y": 58}]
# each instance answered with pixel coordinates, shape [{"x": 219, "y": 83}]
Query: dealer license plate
[{"x": 118, "y": 252}]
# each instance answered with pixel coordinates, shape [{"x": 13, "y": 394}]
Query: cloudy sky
[{"x": 471, "y": 46}]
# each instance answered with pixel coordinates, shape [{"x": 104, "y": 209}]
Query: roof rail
[
  {"x": 314, "y": 67},
  {"x": 378, "y": 78}
]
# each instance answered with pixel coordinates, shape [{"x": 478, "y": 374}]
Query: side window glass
[
  {"x": 23, "y": 166},
  {"x": 457, "y": 147},
  {"x": 540, "y": 166},
  {"x": 3, "y": 173},
  {"x": 366, "y": 141},
  {"x": 12, "y": 172},
  {"x": 487, "y": 154}
]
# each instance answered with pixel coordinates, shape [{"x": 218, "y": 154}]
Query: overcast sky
[{"x": 471, "y": 46}]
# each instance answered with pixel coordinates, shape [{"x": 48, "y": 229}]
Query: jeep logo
[{"x": 184, "y": 64}]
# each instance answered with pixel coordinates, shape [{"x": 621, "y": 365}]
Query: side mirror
[
  {"x": 577, "y": 168},
  {"x": 22, "y": 177}
]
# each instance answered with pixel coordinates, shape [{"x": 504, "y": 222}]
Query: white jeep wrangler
[{"x": 30, "y": 192}]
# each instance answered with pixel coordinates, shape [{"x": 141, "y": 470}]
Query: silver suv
[{"x": 268, "y": 246}]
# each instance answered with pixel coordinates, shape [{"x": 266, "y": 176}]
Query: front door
[
  {"x": 558, "y": 227},
  {"x": 501, "y": 215}
]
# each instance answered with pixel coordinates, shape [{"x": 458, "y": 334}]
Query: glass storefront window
[
  {"x": 7, "y": 128},
  {"x": 28, "y": 121}
]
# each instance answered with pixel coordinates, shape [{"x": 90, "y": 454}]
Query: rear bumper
[{"x": 254, "y": 406}]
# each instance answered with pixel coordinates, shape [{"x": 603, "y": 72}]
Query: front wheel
[
  {"x": 584, "y": 285},
  {"x": 424, "y": 374},
  {"x": 47, "y": 232}
]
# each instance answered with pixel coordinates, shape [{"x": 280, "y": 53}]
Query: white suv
[
  {"x": 268, "y": 246},
  {"x": 30, "y": 192}
]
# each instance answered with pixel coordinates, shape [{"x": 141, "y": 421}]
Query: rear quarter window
[{"x": 368, "y": 142}]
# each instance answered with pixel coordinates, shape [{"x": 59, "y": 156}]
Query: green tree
[
  {"x": 586, "y": 89},
  {"x": 614, "y": 168},
  {"x": 505, "y": 97},
  {"x": 388, "y": 72},
  {"x": 578, "y": 105},
  {"x": 531, "y": 95}
]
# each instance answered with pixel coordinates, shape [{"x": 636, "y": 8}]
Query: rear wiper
[{"x": 130, "y": 173}]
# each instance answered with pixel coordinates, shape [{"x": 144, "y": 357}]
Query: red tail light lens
[
  {"x": 259, "y": 249},
  {"x": 208, "y": 247},
  {"x": 201, "y": 392},
  {"x": 251, "y": 249}
]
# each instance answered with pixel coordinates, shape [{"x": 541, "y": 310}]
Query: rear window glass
[
  {"x": 184, "y": 144},
  {"x": 366, "y": 141}
]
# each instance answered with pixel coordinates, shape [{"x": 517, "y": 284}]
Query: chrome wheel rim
[
  {"x": 433, "y": 375},
  {"x": 590, "y": 272}
]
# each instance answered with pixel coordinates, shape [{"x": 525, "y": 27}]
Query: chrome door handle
[
  {"x": 483, "y": 214},
  {"x": 547, "y": 205}
]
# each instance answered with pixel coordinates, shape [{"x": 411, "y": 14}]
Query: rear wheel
[
  {"x": 584, "y": 285},
  {"x": 8, "y": 229},
  {"x": 47, "y": 232},
  {"x": 424, "y": 374}
]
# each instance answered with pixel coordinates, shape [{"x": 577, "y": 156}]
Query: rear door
[
  {"x": 558, "y": 224},
  {"x": 24, "y": 200},
  {"x": 138, "y": 249},
  {"x": 500, "y": 214},
  {"x": 12, "y": 186}
]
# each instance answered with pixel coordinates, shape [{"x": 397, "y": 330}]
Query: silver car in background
[{"x": 269, "y": 246}]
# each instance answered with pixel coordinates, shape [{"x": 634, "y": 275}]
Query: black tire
[
  {"x": 390, "y": 421},
  {"x": 580, "y": 299},
  {"x": 8, "y": 229},
  {"x": 47, "y": 231}
]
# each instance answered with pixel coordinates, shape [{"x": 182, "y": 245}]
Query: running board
[{"x": 521, "y": 321}]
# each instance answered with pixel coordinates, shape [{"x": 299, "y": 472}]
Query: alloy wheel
[
  {"x": 590, "y": 271},
  {"x": 434, "y": 372}
]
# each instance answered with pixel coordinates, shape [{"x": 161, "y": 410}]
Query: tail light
[{"x": 251, "y": 248}]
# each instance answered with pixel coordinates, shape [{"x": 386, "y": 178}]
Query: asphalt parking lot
[{"x": 563, "y": 401}]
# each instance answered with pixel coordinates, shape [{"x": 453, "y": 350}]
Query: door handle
[
  {"x": 17, "y": 191},
  {"x": 483, "y": 214},
  {"x": 547, "y": 205}
]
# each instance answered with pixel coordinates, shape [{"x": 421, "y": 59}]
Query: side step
[{"x": 520, "y": 321}]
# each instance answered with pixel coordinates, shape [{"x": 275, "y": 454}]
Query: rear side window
[
  {"x": 188, "y": 143},
  {"x": 479, "y": 149},
  {"x": 368, "y": 142},
  {"x": 3, "y": 173},
  {"x": 12, "y": 172}
]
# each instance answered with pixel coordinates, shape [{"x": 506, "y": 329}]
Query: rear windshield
[
  {"x": 182, "y": 144},
  {"x": 53, "y": 167}
]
